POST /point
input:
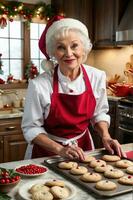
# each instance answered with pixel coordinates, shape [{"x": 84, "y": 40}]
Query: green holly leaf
[
  {"x": 11, "y": 172},
  {"x": 4, "y": 196}
]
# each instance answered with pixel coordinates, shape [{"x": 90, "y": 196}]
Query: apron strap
[
  {"x": 85, "y": 76},
  {"x": 66, "y": 141}
]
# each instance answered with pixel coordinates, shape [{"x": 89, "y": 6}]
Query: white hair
[{"x": 64, "y": 32}]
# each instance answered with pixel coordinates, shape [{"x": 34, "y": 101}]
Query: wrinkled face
[{"x": 69, "y": 51}]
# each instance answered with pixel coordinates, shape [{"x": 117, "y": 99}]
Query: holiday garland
[
  {"x": 31, "y": 71},
  {"x": 11, "y": 10}
]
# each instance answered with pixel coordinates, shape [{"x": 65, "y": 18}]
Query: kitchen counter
[
  {"x": 11, "y": 115},
  {"x": 80, "y": 193},
  {"x": 114, "y": 98}
]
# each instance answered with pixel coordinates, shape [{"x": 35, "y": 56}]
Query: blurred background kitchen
[{"x": 110, "y": 26}]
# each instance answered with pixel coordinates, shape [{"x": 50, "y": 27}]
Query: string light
[{"x": 14, "y": 9}]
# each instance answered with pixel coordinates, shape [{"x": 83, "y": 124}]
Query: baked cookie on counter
[
  {"x": 91, "y": 177},
  {"x": 103, "y": 168},
  {"x": 113, "y": 173},
  {"x": 126, "y": 180},
  {"x": 97, "y": 162},
  {"x": 129, "y": 170},
  {"x": 105, "y": 185},
  {"x": 79, "y": 170},
  {"x": 67, "y": 165},
  {"x": 111, "y": 158},
  {"x": 123, "y": 163}
]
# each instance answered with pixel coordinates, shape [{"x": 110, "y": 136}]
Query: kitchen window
[
  {"x": 19, "y": 46},
  {"x": 35, "y": 54},
  {"x": 11, "y": 48}
]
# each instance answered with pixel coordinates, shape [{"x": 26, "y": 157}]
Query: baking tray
[{"x": 121, "y": 189}]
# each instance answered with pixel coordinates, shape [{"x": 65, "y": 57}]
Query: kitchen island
[{"x": 80, "y": 193}]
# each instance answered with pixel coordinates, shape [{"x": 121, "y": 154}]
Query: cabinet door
[
  {"x": 86, "y": 15},
  {"x": 1, "y": 149},
  {"x": 104, "y": 22},
  {"x": 78, "y": 9},
  {"x": 107, "y": 16},
  {"x": 70, "y": 7},
  {"x": 14, "y": 147}
]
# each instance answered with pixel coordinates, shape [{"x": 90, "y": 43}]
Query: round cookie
[
  {"x": 103, "y": 168},
  {"x": 123, "y": 163},
  {"x": 88, "y": 158},
  {"x": 41, "y": 195},
  {"x": 95, "y": 163},
  {"x": 38, "y": 187},
  {"x": 105, "y": 185},
  {"x": 113, "y": 173},
  {"x": 91, "y": 177},
  {"x": 67, "y": 165},
  {"x": 126, "y": 180},
  {"x": 79, "y": 170},
  {"x": 111, "y": 158},
  {"x": 54, "y": 182},
  {"x": 129, "y": 170},
  {"x": 59, "y": 192}
]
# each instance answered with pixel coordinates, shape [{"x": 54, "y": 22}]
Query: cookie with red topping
[
  {"x": 126, "y": 180},
  {"x": 105, "y": 185}
]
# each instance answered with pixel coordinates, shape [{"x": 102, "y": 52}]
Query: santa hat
[{"x": 56, "y": 23}]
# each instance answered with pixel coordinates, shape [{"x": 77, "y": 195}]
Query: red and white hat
[{"x": 56, "y": 23}]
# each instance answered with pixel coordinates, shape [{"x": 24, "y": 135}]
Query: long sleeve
[
  {"x": 35, "y": 109},
  {"x": 102, "y": 106}
]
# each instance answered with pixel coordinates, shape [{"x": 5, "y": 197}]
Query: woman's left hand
[{"x": 113, "y": 146}]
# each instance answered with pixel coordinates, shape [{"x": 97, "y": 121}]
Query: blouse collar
[{"x": 63, "y": 78}]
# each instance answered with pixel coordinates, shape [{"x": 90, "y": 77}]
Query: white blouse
[{"x": 37, "y": 104}]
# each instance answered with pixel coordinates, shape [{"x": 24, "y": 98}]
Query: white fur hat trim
[{"x": 68, "y": 22}]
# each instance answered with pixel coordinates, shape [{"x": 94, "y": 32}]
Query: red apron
[{"x": 69, "y": 116}]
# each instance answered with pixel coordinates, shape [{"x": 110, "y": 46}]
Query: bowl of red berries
[
  {"x": 8, "y": 179},
  {"x": 31, "y": 170}
]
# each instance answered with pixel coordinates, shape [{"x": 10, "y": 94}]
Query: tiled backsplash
[{"x": 112, "y": 61}]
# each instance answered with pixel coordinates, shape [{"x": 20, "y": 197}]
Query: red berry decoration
[
  {"x": 8, "y": 176},
  {"x": 31, "y": 71},
  {"x": 31, "y": 169}
]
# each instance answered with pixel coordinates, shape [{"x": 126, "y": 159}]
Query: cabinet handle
[
  {"x": 1, "y": 141},
  {"x": 10, "y": 128}
]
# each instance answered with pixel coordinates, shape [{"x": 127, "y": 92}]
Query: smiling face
[{"x": 69, "y": 53}]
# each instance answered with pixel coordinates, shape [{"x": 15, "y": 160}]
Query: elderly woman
[{"x": 67, "y": 97}]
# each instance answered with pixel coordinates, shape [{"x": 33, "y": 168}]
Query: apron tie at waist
[{"x": 65, "y": 141}]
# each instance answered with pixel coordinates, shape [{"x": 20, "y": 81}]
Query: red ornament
[
  {"x": 3, "y": 22},
  {"x": 15, "y": 8},
  {"x": 21, "y": 12},
  {"x": 11, "y": 19},
  {"x": 24, "y": 16},
  {"x": 9, "y": 78},
  {"x": 30, "y": 15},
  {"x": 6, "y": 12},
  {"x": 33, "y": 71},
  {"x": 2, "y": 81}
]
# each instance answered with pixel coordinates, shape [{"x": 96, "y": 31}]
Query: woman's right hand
[{"x": 72, "y": 152}]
